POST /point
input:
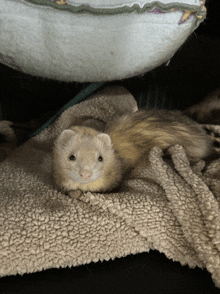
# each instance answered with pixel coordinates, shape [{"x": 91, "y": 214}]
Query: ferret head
[{"x": 81, "y": 156}]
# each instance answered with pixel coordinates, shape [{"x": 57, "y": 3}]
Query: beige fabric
[{"x": 171, "y": 209}]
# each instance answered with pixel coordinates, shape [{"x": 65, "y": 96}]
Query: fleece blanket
[{"x": 170, "y": 207}]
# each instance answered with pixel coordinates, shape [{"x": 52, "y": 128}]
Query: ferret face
[
  {"x": 81, "y": 158},
  {"x": 84, "y": 165}
]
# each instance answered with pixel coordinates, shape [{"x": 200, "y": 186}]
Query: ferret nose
[{"x": 86, "y": 174}]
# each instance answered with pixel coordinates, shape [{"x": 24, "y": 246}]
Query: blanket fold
[{"x": 171, "y": 207}]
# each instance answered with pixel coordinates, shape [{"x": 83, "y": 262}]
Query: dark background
[{"x": 193, "y": 72}]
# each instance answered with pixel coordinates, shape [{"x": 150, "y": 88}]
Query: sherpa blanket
[{"x": 170, "y": 208}]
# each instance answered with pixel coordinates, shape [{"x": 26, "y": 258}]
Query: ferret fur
[{"x": 125, "y": 143}]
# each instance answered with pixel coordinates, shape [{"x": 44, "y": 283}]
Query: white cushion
[{"x": 94, "y": 40}]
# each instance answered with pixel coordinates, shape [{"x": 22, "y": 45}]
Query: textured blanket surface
[{"x": 170, "y": 207}]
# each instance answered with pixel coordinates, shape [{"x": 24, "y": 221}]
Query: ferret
[{"x": 90, "y": 160}]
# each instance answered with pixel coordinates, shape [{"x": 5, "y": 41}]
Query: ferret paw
[{"x": 75, "y": 193}]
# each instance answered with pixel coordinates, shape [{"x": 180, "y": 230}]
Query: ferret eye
[
  {"x": 100, "y": 158},
  {"x": 72, "y": 157}
]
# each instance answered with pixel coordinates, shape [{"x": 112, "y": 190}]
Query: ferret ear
[
  {"x": 105, "y": 139},
  {"x": 65, "y": 136}
]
